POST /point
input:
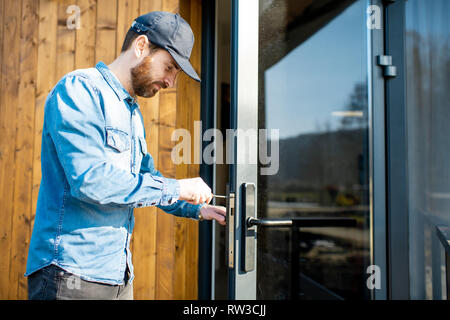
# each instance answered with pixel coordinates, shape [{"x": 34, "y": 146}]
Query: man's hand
[
  {"x": 195, "y": 191},
  {"x": 210, "y": 212}
]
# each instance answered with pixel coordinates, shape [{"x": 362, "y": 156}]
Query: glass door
[{"x": 300, "y": 218}]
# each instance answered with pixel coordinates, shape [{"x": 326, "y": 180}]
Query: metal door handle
[
  {"x": 249, "y": 219},
  {"x": 302, "y": 222},
  {"x": 248, "y": 232},
  {"x": 268, "y": 222}
]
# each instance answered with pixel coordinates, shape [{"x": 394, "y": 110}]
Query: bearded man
[{"x": 96, "y": 168}]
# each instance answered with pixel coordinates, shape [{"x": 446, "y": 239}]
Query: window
[{"x": 428, "y": 130}]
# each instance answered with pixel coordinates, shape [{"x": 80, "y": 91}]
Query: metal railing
[
  {"x": 296, "y": 224},
  {"x": 443, "y": 233}
]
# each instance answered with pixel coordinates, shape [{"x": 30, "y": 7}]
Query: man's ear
[{"x": 141, "y": 43}]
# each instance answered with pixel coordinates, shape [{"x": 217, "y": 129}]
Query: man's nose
[{"x": 169, "y": 81}]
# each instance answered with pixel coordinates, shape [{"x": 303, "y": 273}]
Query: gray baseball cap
[{"x": 170, "y": 32}]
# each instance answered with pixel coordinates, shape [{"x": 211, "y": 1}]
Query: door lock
[
  {"x": 230, "y": 207},
  {"x": 249, "y": 231}
]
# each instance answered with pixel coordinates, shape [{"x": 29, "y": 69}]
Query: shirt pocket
[
  {"x": 118, "y": 148},
  {"x": 117, "y": 139}
]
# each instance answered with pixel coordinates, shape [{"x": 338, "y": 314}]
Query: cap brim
[{"x": 185, "y": 65}]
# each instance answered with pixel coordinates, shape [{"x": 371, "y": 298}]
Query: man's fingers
[
  {"x": 196, "y": 199},
  {"x": 206, "y": 196},
  {"x": 220, "y": 214},
  {"x": 220, "y": 218},
  {"x": 195, "y": 191},
  {"x": 220, "y": 210}
]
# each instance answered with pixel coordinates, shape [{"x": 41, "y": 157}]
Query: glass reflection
[
  {"x": 427, "y": 44},
  {"x": 313, "y": 88}
]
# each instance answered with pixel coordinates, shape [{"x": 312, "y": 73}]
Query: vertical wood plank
[
  {"x": 65, "y": 45},
  {"x": 150, "y": 223},
  {"x": 166, "y": 272},
  {"x": 2, "y": 13},
  {"x": 187, "y": 275},
  {"x": 166, "y": 224},
  {"x": 185, "y": 119},
  {"x": 180, "y": 256},
  {"x": 106, "y": 31},
  {"x": 144, "y": 237},
  {"x": 182, "y": 121},
  {"x": 168, "y": 112},
  {"x": 191, "y": 237},
  {"x": 8, "y": 104},
  {"x": 195, "y": 22},
  {"x": 24, "y": 150},
  {"x": 168, "y": 121},
  {"x": 127, "y": 11},
  {"x": 162, "y": 263},
  {"x": 85, "y": 36},
  {"x": 171, "y": 6},
  {"x": 151, "y": 121},
  {"x": 148, "y": 6}
]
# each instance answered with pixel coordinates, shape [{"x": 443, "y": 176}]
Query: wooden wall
[{"x": 37, "y": 49}]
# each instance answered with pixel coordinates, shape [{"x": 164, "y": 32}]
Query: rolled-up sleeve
[{"x": 75, "y": 122}]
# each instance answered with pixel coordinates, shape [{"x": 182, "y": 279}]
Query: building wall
[{"x": 36, "y": 49}]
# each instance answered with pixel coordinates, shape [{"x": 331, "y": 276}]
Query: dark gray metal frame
[
  {"x": 377, "y": 143},
  {"x": 443, "y": 233},
  {"x": 397, "y": 155},
  {"x": 205, "y": 254}
]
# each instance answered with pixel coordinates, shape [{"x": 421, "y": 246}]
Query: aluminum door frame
[{"x": 244, "y": 116}]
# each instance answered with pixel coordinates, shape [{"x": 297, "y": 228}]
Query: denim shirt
[{"x": 95, "y": 171}]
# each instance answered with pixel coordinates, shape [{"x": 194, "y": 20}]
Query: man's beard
[{"x": 142, "y": 81}]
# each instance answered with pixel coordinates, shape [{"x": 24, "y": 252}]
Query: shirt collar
[{"x": 114, "y": 83}]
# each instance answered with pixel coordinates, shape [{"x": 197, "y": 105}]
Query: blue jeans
[{"x": 54, "y": 283}]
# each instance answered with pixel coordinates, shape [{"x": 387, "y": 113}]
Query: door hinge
[{"x": 389, "y": 71}]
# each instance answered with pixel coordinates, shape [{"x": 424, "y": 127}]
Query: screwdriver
[{"x": 219, "y": 196}]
